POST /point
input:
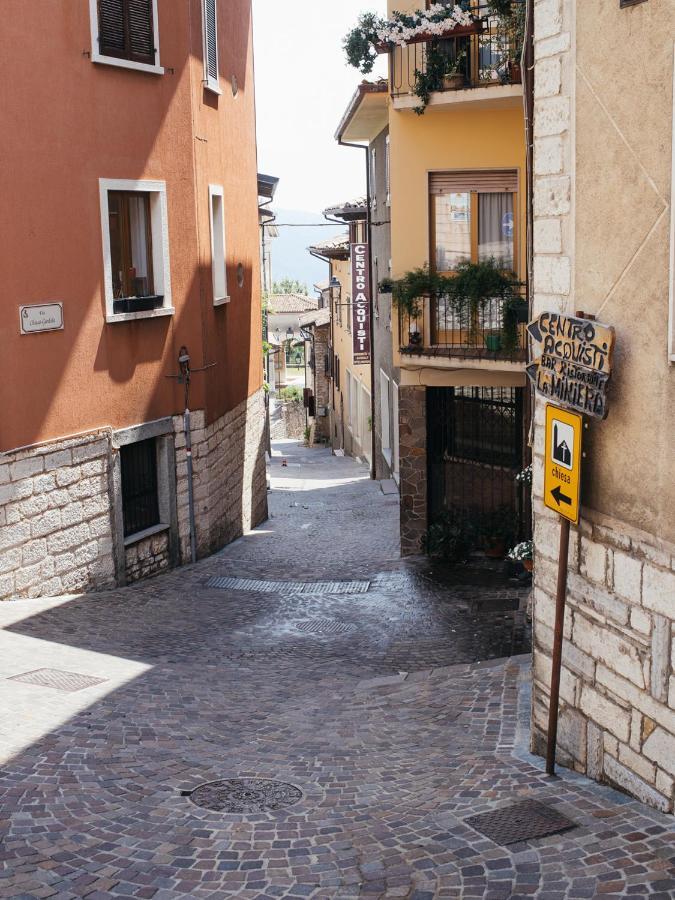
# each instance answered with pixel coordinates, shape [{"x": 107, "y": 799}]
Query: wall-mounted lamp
[{"x": 335, "y": 290}]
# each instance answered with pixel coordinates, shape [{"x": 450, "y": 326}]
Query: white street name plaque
[{"x": 41, "y": 317}]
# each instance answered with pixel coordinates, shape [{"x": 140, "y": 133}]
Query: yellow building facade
[
  {"x": 350, "y": 400},
  {"x": 458, "y": 193}
]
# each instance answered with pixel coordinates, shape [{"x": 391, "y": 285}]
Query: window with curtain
[
  {"x": 473, "y": 218},
  {"x": 130, "y": 243},
  {"x": 453, "y": 230},
  {"x": 495, "y": 228}
]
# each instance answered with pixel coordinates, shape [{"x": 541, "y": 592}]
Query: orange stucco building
[{"x": 129, "y": 230}]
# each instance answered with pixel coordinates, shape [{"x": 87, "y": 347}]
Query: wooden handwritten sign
[
  {"x": 581, "y": 341},
  {"x": 575, "y": 362}
]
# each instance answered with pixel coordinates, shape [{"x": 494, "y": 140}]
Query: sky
[{"x": 303, "y": 86}]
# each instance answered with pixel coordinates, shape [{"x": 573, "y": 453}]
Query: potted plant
[
  {"x": 515, "y": 312},
  {"x": 453, "y": 80},
  {"x": 493, "y": 341},
  {"x": 414, "y": 334},
  {"x": 523, "y": 553},
  {"x": 472, "y": 287}
]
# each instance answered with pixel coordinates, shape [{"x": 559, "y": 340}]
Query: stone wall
[
  {"x": 322, "y": 382},
  {"x": 55, "y": 525},
  {"x": 288, "y": 420},
  {"x": 229, "y": 480},
  {"x": 148, "y": 557},
  {"x": 60, "y": 507},
  {"x": 617, "y": 719},
  {"x": 413, "y": 468},
  {"x": 617, "y": 714}
]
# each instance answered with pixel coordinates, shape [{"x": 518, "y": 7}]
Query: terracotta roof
[
  {"x": 291, "y": 303},
  {"x": 352, "y": 209},
  {"x": 319, "y": 317},
  {"x": 333, "y": 246}
]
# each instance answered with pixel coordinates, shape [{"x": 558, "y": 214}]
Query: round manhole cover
[{"x": 245, "y": 795}]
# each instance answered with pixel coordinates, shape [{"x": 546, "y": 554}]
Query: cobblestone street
[{"x": 393, "y": 695}]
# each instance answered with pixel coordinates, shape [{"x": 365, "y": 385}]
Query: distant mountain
[{"x": 290, "y": 258}]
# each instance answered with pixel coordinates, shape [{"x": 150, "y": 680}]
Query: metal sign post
[
  {"x": 572, "y": 368},
  {"x": 562, "y": 492},
  {"x": 556, "y": 666}
]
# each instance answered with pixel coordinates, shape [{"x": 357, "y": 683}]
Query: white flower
[{"x": 438, "y": 19}]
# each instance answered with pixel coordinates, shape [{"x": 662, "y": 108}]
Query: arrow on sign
[{"x": 559, "y": 497}]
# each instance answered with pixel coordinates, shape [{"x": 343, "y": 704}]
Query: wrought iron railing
[
  {"x": 488, "y": 55},
  {"x": 449, "y": 325}
]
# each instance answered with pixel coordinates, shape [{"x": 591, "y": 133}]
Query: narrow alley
[{"x": 359, "y": 711}]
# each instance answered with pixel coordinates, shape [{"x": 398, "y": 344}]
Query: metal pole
[
  {"x": 191, "y": 500},
  {"x": 561, "y": 593}
]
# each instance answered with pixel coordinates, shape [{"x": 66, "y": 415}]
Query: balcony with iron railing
[
  {"x": 447, "y": 327},
  {"x": 442, "y": 69}
]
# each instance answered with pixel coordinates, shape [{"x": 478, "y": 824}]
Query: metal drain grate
[
  {"x": 56, "y": 678},
  {"x": 524, "y": 821},
  {"x": 324, "y": 626},
  {"x": 289, "y": 587},
  {"x": 245, "y": 795}
]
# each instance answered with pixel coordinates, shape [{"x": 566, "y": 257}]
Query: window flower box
[{"x": 137, "y": 304}]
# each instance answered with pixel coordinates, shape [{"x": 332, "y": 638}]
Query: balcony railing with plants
[
  {"x": 480, "y": 312},
  {"x": 448, "y": 47}
]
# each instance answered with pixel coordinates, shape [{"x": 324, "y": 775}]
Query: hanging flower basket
[
  {"x": 373, "y": 34},
  {"x": 475, "y": 27}
]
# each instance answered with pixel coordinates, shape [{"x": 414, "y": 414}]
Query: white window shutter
[{"x": 211, "y": 45}]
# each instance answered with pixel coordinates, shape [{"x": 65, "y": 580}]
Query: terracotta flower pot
[
  {"x": 453, "y": 82},
  {"x": 528, "y": 565},
  {"x": 515, "y": 73}
]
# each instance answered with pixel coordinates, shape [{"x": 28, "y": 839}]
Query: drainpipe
[
  {"x": 184, "y": 363},
  {"x": 369, "y": 231},
  {"x": 184, "y": 378},
  {"x": 191, "y": 500},
  {"x": 527, "y": 67}
]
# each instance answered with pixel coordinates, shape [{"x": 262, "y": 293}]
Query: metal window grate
[
  {"x": 57, "y": 678},
  {"x": 325, "y": 626},
  {"x": 526, "y": 821},
  {"x": 140, "y": 503},
  {"x": 289, "y": 587}
]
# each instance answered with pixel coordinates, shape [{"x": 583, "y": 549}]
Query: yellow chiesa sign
[{"x": 562, "y": 466}]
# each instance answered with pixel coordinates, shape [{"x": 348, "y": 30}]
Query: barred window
[{"x": 140, "y": 501}]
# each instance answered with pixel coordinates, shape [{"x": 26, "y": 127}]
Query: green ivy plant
[
  {"x": 468, "y": 290},
  {"x": 512, "y": 38},
  {"x": 359, "y": 43},
  {"x": 438, "y": 67}
]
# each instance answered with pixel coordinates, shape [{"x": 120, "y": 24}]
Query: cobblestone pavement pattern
[{"x": 371, "y": 703}]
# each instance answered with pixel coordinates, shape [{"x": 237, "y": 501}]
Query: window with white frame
[
  {"x": 373, "y": 178},
  {"x": 218, "y": 263},
  {"x": 356, "y": 407},
  {"x": 365, "y": 422},
  {"x": 125, "y": 33},
  {"x": 210, "y": 19},
  {"x": 671, "y": 331},
  {"x": 387, "y": 167},
  {"x": 348, "y": 396},
  {"x": 135, "y": 238},
  {"x": 385, "y": 422},
  {"x": 395, "y": 431}
]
